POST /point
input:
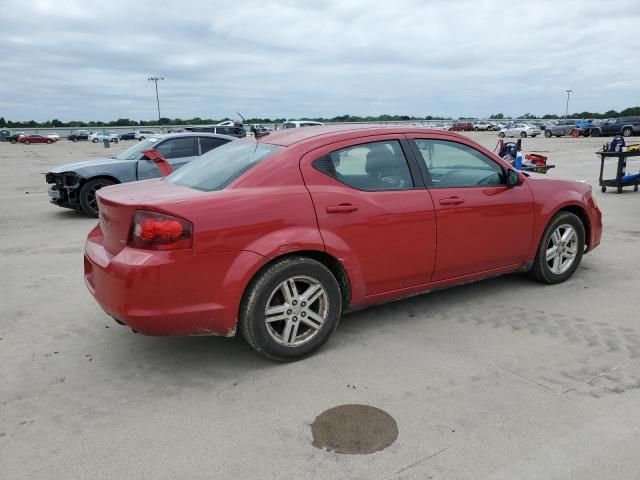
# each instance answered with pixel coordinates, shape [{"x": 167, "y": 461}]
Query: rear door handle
[
  {"x": 342, "y": 208},
  {"x": 451, "y": 201}
]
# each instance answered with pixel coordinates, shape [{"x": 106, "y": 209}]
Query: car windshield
[
  {"x": 133, "y": 153},
  {"x": 218, "y": 168}
]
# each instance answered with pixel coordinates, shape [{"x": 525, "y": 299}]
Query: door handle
[
  {"x": 342, "y": 208},
  {"x": 451, "y": 201}
]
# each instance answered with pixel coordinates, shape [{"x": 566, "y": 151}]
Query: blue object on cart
[
  {"x": 616, "y": 144},
  {"x": 630, "y": 178}
]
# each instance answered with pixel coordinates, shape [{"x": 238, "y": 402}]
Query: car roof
[{"x": 288, "y": 137}]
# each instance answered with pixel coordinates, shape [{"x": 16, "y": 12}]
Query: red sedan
[
  {"x": 27, "y": 139},
  {"x": 278, "y": 235}
]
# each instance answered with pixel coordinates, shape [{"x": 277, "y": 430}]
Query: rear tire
[
  {"x": 49, "y": 141},
  {"x": 501, "y": 134},
  {"x": 13, "y": 142},
  {"x": 87, "y": 195},
  {"x": 627, "y": 131},
  {"x": 560, "y": 249},
  {"x": 27, "y": 142},
  {"x": 594, "y": 133},
  {"x": 547, "y": 133},
  {"x": 523, "y": 134},
  {"x": 280, "y": 338},
  {"x": 95, "y": 140}
]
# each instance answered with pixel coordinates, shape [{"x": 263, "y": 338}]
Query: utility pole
[
  {"x": 155, "y": 80},
  {"x": 566, "y": 112}
]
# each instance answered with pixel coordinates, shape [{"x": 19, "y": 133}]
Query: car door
[
  {"x": 482, "y": 224},
  {"x": 373, "y": 211}
]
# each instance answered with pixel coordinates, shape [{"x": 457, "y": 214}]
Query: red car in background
[
  {"x": 462, "y": 127},
  {"x": 27, "y": 139},
  {"x": 278, "y": 235}
]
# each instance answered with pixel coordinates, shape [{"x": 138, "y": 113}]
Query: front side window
[
  {"x": 219, "y": 167},
  {"x": 368, "y": 166},
  {"x": 177, "y": 148},
  {"x": 452, "y": 164}
]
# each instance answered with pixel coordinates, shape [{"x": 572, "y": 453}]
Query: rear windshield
[{"x": 221, "y": 166}]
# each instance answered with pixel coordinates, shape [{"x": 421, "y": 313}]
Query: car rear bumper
[{"x": 165, "y": 292}]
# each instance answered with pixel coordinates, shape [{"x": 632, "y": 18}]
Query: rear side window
[
  {"x": 452, "y": 164},
  {"x": 368, "y": 166},
  {"x": 221, "y": 166},
  {"x": 209, "y": 143},
  {"x": 178, "y": 147}
]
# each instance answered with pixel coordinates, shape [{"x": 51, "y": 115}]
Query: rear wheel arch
[{"x": 332, "y": 263}]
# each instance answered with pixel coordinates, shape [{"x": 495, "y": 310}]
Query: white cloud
[{"x": 90, "y": 60}]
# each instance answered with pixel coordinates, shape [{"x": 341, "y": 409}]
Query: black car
[
  {"x": 234, "y": 131},
  {"x": 625, "y": 126},
  {"x": 15, "y": 136},
  {"x": 128, "y": 136},
  {"x": 78, "y": 135}
]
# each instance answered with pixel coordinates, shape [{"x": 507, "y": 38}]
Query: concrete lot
[{"x": 505, "y": 379}]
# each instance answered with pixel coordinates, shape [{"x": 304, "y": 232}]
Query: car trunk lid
[{"x": 118, "y": 203}]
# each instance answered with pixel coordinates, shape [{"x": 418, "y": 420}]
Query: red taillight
[{"x": 157, "y": 231}]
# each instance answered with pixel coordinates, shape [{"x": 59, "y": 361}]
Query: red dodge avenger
[{"x": 278, "y": 235}]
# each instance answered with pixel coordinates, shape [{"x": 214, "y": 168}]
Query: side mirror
[{"x": 513, "y": 178}]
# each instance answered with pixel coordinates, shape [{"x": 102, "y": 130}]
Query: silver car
[
  {"x": 519, "y": 130},
  {"x": 74, "y": 185}
]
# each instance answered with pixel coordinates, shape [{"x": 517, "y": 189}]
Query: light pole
[
  {"x": 566, "y": 112},
  {"x": 155, "y": 80}
]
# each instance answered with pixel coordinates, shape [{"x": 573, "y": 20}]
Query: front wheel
[
  {"x": 560, "y": 249},
  {"x": 27, "y": 142},
  {"x": 594, "y": 133},
  {"x": 547, "y": 133},
  {"x": 95, "y": 140},
  {"x": 523, "y": 134},
  {"x": 290, "y": 309},
  {"x": 88, "y": 200},
  {"x": 627, "y": 131},
  {"x": 49, "y": 141},
  {"x": 501, "y": 134},
  {"x": 14, "y": 141}
]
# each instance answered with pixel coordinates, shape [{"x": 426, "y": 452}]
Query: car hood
[
  {"x": 86, "y": 165},
  {"x": 557, "y": 184}
]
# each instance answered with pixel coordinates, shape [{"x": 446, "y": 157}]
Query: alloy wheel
[
  {"x": 296, "y": 310},
  {"x": 562, "y": 249}
]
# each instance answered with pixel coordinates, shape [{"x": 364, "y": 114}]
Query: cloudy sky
[{"x": 90, "y": 60}]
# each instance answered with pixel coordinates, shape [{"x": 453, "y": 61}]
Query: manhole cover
[{"x": 355, "y": 429}]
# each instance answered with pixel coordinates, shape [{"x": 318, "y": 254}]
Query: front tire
[
  {"x": 49, "y": 141},
  {"x": 627, "y": 131},
  {"x": 523, "y": 134},
  {"x": 95, "y": 140},
  {"x": 501, "y": 134},
  {"x": 560, "y": 249},
  {"x": 594, "y": 133},
  {"x": 547, "y": 133},
  {"x": 290, "y": 309},
  {"x": 75, "y": 140},
  {"x": 27, "y": 142},
  {"x": 88, "y": 200}
]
